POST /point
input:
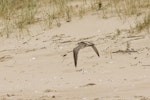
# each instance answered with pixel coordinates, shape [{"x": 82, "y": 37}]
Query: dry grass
[
  {"x": 144, "y": 24},
  {"x": 128, "y": 8},
  {"x": 19, "y": 14}
]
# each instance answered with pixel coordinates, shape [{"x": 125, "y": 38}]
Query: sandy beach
[{"x": 41, "y": 66}]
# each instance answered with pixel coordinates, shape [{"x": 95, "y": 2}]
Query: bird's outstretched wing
[
  {"x": 95, "y": 49},
  {"x": 75, "y": 53}
]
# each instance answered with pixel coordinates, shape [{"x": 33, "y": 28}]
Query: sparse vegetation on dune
[
  {"x": 16, "y": 14},
  {"x": 144, "y": 24},
  {"x": 127, "y": 8}
]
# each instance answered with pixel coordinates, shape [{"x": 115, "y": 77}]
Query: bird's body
[{"x": 82, "y": 45}]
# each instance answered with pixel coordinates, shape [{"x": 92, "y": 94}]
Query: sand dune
[{"x": 42, "y": 67}]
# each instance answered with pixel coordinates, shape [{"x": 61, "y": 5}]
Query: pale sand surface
[{"x": 41, "y": 67}]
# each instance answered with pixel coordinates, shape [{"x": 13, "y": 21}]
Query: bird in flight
[{"x": 82, "y": 45}]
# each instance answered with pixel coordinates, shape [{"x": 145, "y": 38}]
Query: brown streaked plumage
[{"x": 82, "y": 45}]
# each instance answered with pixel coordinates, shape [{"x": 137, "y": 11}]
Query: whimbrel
[{"x": 82, "y": 45}]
